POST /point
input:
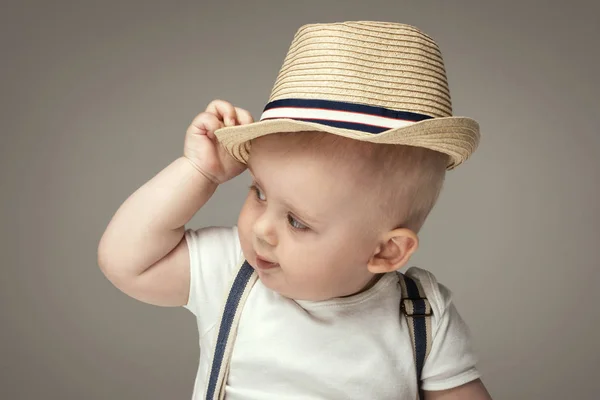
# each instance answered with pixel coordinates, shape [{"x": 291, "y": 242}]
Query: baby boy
[{"x": 347, "y": 161}]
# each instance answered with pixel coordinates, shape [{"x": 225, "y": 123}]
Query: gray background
[{"x": 96, "y": 97}]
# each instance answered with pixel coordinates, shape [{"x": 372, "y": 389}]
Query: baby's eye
[
  {"x": 259, "y": 194},
  {"x": 294, "y": 223}
]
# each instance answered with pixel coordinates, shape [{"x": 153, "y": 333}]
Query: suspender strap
[
  {"x": 417, "y": 309},
  {"x": 240, "y": 288}
]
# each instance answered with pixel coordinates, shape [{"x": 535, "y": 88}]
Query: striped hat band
[{"x": 340, "y": 114}]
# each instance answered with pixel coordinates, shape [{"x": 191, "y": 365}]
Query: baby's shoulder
[
  {"x": 215, "y": 252},
  {"x": 439, "y": 296},
  {"x": 214, "y": 240}
]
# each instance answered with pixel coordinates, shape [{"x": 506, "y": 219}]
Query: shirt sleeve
[
  {"x": 452, "y": 359},
  {"x": 215, "y": 254}
]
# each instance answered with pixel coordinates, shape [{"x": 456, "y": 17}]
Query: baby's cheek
[
  {"x": 245, "y": 221},
  {"x": 309, "y": 268}
]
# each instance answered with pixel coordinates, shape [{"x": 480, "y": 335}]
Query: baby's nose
[{"x": 264, "y": 230}]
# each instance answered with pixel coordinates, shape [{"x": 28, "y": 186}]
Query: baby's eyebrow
[{"x": 305, "y": 216}]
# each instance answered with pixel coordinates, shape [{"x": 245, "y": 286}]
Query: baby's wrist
[{"x": 199, "y": 170}]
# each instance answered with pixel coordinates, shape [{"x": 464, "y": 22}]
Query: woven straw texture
[{"x": 382, "y": 64}]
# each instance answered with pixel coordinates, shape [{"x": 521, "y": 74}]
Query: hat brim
[{"x": 458, "y": 137}]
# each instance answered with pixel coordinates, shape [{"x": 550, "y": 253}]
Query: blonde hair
[
  {"x": 410, "y": 182},
  {"x": 406, "y": 181}
]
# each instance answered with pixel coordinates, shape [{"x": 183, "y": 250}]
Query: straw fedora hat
[{"x": 378, "y": 82}]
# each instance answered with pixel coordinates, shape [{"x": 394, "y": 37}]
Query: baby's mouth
[{"x": 265, "y": 264}]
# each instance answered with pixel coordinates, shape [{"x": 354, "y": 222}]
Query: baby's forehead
[
  {"x": 319, "y": 145},
  {"x": 352, "y": 161},
  {"x": 318, "y": 162},
  {"x": 364, "y": 163}
]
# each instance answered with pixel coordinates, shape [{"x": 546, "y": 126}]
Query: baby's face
[{"x": 308, "y": 214}]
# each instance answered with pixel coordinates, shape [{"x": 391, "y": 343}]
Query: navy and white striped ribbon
[{"x": 339, "y": 114}]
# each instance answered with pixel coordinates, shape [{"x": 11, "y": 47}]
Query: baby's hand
[{"x": 202, "y": 148}]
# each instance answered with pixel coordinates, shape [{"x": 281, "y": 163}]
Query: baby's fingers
[
  {"x": 224, "y": 110},
  {"x": 243, "y": 116},
  {"x": 205, "y": 124}
]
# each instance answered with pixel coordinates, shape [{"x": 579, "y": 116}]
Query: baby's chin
[{"x": 276, "y": 282}]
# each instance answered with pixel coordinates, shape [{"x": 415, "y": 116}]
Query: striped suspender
[
  {"x": 417, "y": 310},
  {"x": 413, "y": 305},
  {"x": 240, "y": 288}
]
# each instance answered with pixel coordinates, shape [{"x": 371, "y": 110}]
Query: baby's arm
[
  {"x": 474, "y": 390},
  {"x": 143, "y": 251}
]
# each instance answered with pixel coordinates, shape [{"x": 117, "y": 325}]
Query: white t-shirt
[{"x": 355, "y": 347}]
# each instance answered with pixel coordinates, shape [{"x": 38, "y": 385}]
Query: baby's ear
[{"x": 393, "y": 251}]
